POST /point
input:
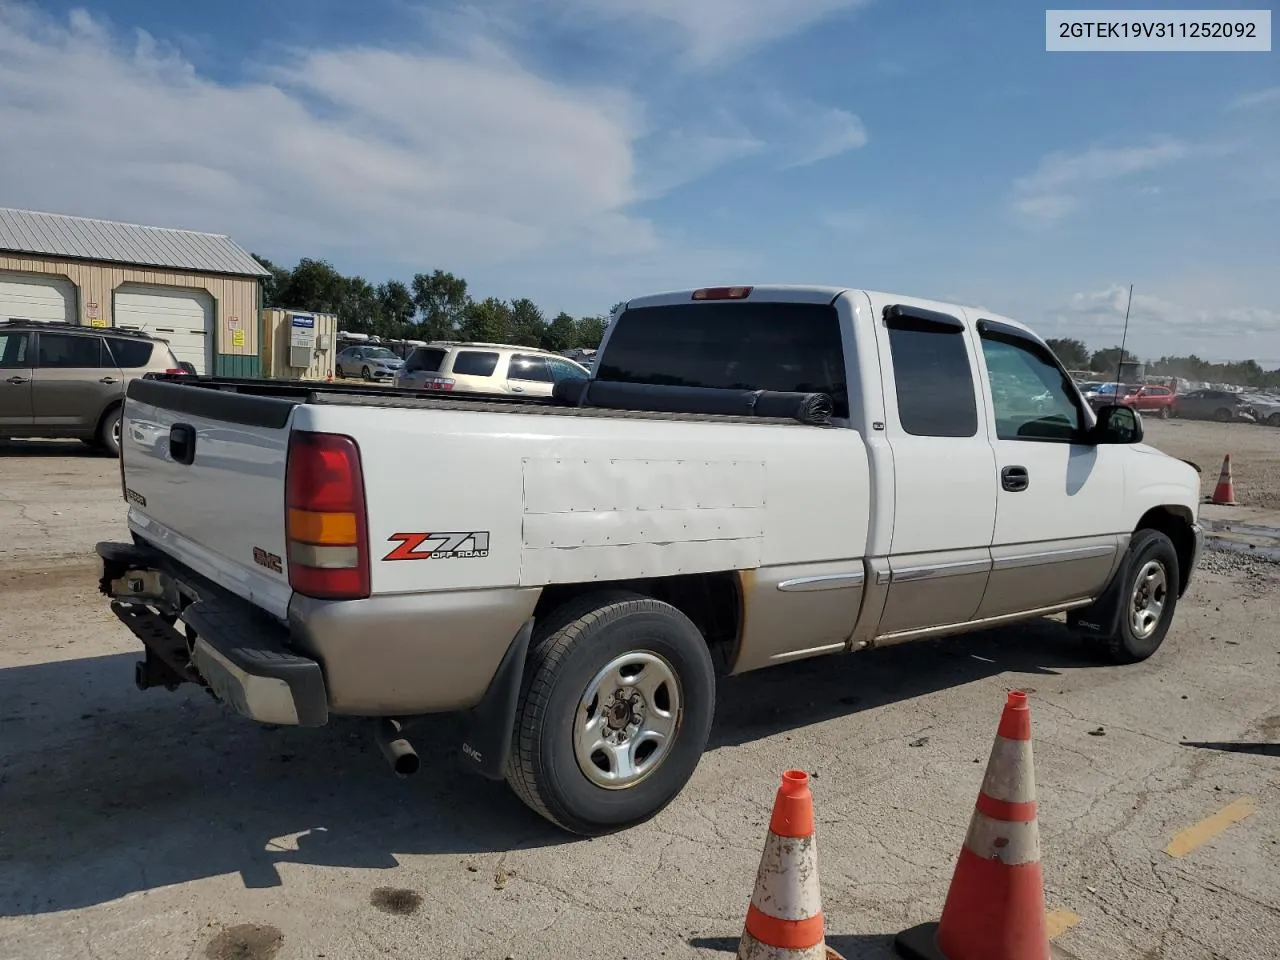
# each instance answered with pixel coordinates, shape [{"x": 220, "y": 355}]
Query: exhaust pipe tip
[{"x": 397, "y": 750}]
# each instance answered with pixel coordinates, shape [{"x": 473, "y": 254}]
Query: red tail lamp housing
[{"x": 326, "y": 518}]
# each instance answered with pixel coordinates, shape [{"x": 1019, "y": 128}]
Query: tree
[
  {"x": 314, "y": 285},
  {"x": 274, "y": 285},
  {"x": 489, "y": 321},
  {"x": 560, "y": 334},
  {"x": 1073, "y": 354},
  {"x": 527, "y": 323},
  {"x": 1108, "y": 361},
  {"x": 397, "y": 308},
  {"x": 590, "y": 331},
  {"x": 442, "y": 300}
]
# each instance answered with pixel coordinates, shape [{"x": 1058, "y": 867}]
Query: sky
[{"x": 581, "y": 152}]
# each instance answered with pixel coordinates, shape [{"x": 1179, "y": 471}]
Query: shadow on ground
[
  {"x": 109, "y": 791},
  {"x": 48, "y": 448},
  {"x": 851, "y": 947}
]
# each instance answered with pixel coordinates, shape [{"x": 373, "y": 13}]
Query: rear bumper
[{"x": 239, "y": 653}]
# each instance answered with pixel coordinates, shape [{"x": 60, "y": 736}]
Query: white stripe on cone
[
  {"x": 787, "y": 881},
  {"x": 749, "y": 948},
  {"x": 1011, "y": 774},
  {"x": 1010, "y": 843}
]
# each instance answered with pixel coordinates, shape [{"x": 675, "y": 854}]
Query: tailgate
[{"x": 204, "y": 475}]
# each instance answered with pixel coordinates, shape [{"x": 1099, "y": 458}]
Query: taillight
[
  {"x": 437, "y": 383},
  {"x": 325, "y": 517},
  {"x": 177, "y": 370},
  {"x": 722, "y": 293}
]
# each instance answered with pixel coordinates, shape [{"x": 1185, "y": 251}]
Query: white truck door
[
  {"x": 943, "y": 466},
  {"x": 1060, "y": 509}
]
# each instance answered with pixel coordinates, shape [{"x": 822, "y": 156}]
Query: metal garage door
[
  {"x": 28, "y": 296},
  {"x": 181, "y": 316}
]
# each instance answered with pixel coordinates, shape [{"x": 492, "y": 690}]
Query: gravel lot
[{"x": 155, "y": 825}]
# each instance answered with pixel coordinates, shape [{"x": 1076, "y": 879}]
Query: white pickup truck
[{"x": 752, "y": 476}]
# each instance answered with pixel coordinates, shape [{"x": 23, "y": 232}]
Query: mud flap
[
  {"x": 1102, "y": 617},
  {"x": 487, "y": 745}
]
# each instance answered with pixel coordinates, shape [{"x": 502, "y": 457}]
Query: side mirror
[{"x": 1117, "y": 424}]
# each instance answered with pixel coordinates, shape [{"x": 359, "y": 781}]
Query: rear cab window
[
  {"x": 132, "y": 354},
  {"x": 475, "y": 363},
  {"x": 425, "y": 360},
  {"x": 790, "y": 347},
  {"x": 933, "y": 378}
]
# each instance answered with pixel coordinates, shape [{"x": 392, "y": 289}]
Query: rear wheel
[
  {"x": 1164, "y": 413},
  {"x": 337, "y": 372},
  {"x": 366, "y": 374},
  {"x": 109, "y": 432},
  {"x": 1274, "y": 420},
  {"x": 615, "y": 712},
  {"x": 1148, "y": 598}
]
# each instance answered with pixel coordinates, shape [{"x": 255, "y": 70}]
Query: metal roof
[{"x": 57, "y": 235}]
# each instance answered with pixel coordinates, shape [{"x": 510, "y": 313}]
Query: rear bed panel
[{"x": 222, "y": 514}]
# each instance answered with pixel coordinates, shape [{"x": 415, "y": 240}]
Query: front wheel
[
  {"x": 1148, "y": 598},
  {"x": 1274, "y": 420},
  {"x": 1222, "y": 415},
  {"x": 615, "y": 712}
]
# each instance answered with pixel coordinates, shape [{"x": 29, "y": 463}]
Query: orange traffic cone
[
  {"x": 1225, "y": 493},
  {"x": 995, "y": 906},
  {"x": 784, "y": 921}
]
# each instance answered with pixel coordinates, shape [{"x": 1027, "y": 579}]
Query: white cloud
[
  {"x": 1257, "y": 98},
  {"x": 1053, "y": 190},
  {"x": 1161, "y": 327},
  {"x": 711, "y": 32}
]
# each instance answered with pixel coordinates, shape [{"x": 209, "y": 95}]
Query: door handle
[
  {"x": 1015, "y": 479},
  {"x": 182, "y": 443},
  {"x": 109, "y": 380},
  {"x": 17, "y": 381},
  {"x": 515, "y": 389}
]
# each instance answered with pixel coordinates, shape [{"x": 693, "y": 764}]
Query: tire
[
  {"x": 366, "y": 374},
  {"x": 1274, "y": 420},
  {"x": 1223, "y": 415},
  {"x": 337, "y": 372},
  {"x": 1153, "y": 562},
  {"x": 1165, "y": 413},
  {"x": 109, "y": 432},
  {"x": 549, "y": 762}
]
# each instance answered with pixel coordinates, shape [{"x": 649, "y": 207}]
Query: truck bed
[{"x": 268, "y": 402}]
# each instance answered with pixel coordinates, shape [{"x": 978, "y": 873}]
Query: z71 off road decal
[{"x": 439, "y": 546}]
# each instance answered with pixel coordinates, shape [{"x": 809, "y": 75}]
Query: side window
[
  {"x": 525, "y": 367},
  {"x": 129, "y": 354},
  {"x": 13, "y": 351},
  {"x": 1029, "y": 392},
  {"x": 60, "y": 351},
  {"x": 475, "y": 363},
  {"x": 563, "y": 370},
  {"x": 935, "y": 387}
]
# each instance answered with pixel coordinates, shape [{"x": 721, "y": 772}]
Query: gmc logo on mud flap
[
  {"x": 439, "y": 546},
  {"x": 268, "y": 560}
]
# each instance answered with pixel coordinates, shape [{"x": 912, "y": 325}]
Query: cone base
[{"x": 921, "y": 943}]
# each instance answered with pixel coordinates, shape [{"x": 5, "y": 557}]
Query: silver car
[{"x": 367, "y": 363}]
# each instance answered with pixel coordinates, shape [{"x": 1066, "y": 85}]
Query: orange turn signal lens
[{"x": 309, "y": 526}]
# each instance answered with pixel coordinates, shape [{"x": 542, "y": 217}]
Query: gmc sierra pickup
[{"x": 752, "y": 475}]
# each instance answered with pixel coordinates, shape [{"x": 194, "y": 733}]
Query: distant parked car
[
  {"x": 371, "y": 363},
  {"x": 1157, "y": 400},
  {"x": 487, "y": 368},
  {"x": 1265, "y": 409},
  {"x": 1221, "y": 405}
]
